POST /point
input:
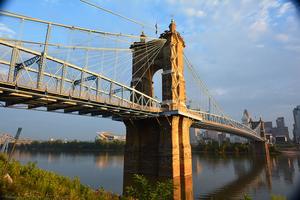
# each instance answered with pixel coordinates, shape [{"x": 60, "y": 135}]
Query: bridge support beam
[
  {"x": 159, "y": 149},
  {"x": 260, "y": 148}
]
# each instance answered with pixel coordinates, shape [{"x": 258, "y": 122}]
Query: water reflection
[
  {"x": 108, "y": 159},
  {"x": 255, "y": 177},
  {"x": 227, "y": 177},
  {"x": 284, "y": 167},
  {"x": 245, "y": 178}
]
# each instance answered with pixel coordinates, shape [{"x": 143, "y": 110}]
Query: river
[{"x": 213, "y": 176}]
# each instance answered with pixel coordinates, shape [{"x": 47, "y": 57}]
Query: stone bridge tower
[
  {"x": 159, "y": 147},
  {"x": 170, "y": 60},
  {"x": 260, "y": 147}
]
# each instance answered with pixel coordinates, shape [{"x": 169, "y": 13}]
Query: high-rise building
[
  {"x": 268, "y": 127},
  {"x": 296, "y": 130},
  {"x": 280, "y": 122},
  {"x": 281, "y": 129},
  {"x": 194, "y": 135},
  {"x": 278, "y": 133}
]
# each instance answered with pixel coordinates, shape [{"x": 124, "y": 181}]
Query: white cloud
[
  {"x": 260, "y": 45},
  {"x": 257, "y": 28},
  {"x": 51, "y": 1},
  {"x": 282, "y": 37},
  {"x": 284, "y": 8},
  {"x": 295, "y": 48},
  {"x": 260, "y": 25},
  {"x": 269, "y": 4},
  {"x": 219, "y": 92},
  {"x": 5, "y": 31},
  {"x": 192, "y": 12},
  {"x": 173, "y": 2}
]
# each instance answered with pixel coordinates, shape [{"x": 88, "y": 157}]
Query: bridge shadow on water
[
  {"x": 235, "y": 189},
  {"x": 250, "y": 172},
  {"x": 253, "y": 176}
]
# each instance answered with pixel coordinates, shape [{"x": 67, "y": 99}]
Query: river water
[{"x": 227, "y": 177}]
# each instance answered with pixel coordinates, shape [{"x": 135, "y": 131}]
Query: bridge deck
[
  {"x": 111, "y": 99},
  {"x": 208, "y": 121},
  {"x": 31, "y": 98}
]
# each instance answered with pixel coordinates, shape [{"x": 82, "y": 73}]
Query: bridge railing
[
  {"x": 22, "y": 67},
  {"x": 225, "y": 121},
  {"x": 30, "y": 57}
]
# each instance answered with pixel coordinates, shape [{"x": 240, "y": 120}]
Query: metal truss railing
[
  {"x": 208, "y": 117},
  {"x": 23, "y": 68}
]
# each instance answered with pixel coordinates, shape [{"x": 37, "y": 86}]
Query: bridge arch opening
[{"x": 157, "y": 84}]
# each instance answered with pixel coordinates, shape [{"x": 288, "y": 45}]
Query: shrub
[{"x": 144, "y": 190}]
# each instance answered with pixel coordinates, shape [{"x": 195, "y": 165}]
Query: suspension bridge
[{"x": 54, "y": 67}]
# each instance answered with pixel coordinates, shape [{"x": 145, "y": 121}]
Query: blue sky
[{"x": 247, "y": 52}]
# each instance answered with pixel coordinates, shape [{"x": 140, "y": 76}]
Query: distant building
[
  {"x": 107, "y": 136},
  {"x": 280, "y": 139},
  {"x": 238, "y": 139},
  {"x": 270, "y": 138},
  {"x": 245, "y": 121},
  {"x": 5, "y": 137},
  {"x": 246, "y": 118},
  {"x": 268, "y": 127},
  {"x": 280, "y": 122},
  {"x": 210, "y": 135},
  {"x": 278, "y": 134},
  {"x": 296, "y": 130},
  {"x": 281, "y": 130},
  {"x": 195, "y": 134}
]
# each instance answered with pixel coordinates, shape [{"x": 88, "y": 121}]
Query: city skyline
[
  {"x": 296, "y": 125},
  {"x": 264, "y": 36}
]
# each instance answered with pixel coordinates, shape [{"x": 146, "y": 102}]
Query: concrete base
[{"x": 159, "y": 149}]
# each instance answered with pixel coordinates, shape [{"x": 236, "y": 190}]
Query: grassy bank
[{"x": 30, "y": 182}]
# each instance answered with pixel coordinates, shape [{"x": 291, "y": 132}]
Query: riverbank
[
  {"x": 119, "y": 146},
  {"x": 290, "y": 153},
  {"x": 290, "y": 149},
  {"x": 73, "y": 146},
  {"x": 215, "y": 171},
  {"x": 29, "y": 182},
  {"x": 229, "y": 148}
]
